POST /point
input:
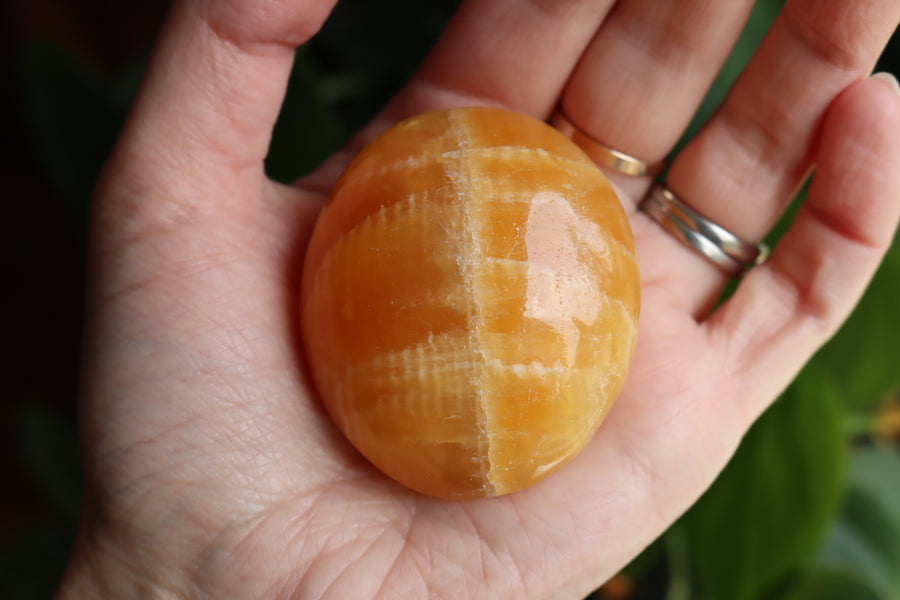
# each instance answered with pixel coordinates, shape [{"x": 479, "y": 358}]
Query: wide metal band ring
[
  {"x": 604, "y": 155},
  {"x": 724, "y": 249}
]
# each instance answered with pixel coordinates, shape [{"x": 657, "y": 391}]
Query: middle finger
[{"x": 646, "y": 71}]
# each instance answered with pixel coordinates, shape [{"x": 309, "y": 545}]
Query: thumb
[
  {"x": 189, "y": 162},
  {"x": 215, "y": 83}
]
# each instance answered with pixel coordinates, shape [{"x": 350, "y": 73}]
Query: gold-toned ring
[{"x": 604, "y": 155}]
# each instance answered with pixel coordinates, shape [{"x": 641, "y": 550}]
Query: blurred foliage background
[{"x": 809, "y": 507}]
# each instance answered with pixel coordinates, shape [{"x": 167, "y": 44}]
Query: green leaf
[
  {"x": 761, "y": 18},
  {"x": 866, "y": 538},
  {"x": 829, "y": 584},
  {"x": 767, "y": 512},
  {"x": 372, "y": 48},
  {"x": 306, "y": 131},
  {"x": 864, "y": 352}
]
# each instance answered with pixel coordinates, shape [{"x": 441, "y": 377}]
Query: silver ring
[
  {"x": 724, "y": 249},
  {"x": 604, "y": 155}
]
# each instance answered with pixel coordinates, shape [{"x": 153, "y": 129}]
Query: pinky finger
[{"x": 786, "y": 309}]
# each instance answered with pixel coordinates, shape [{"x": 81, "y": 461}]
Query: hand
[{"x": 211, "y": 469}]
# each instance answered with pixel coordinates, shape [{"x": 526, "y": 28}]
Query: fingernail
[{"x": 889, "y": 79}]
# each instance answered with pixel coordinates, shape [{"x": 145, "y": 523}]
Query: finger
[
  {"x": 750, "y": 158},
  {"x": 783, "y": 311},
  {"x": 216, "y": 81},
  {"x": 647, "y": 70},
  {"x": 515, "y": 54}
]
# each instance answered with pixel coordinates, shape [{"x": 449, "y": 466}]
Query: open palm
[{"x": 211, "y": 469}]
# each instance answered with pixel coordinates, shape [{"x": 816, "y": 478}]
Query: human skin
[{"x": 212, "y": 471}]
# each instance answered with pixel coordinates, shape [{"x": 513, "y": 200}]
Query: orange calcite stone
[{"x": 470, "y": 302}]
